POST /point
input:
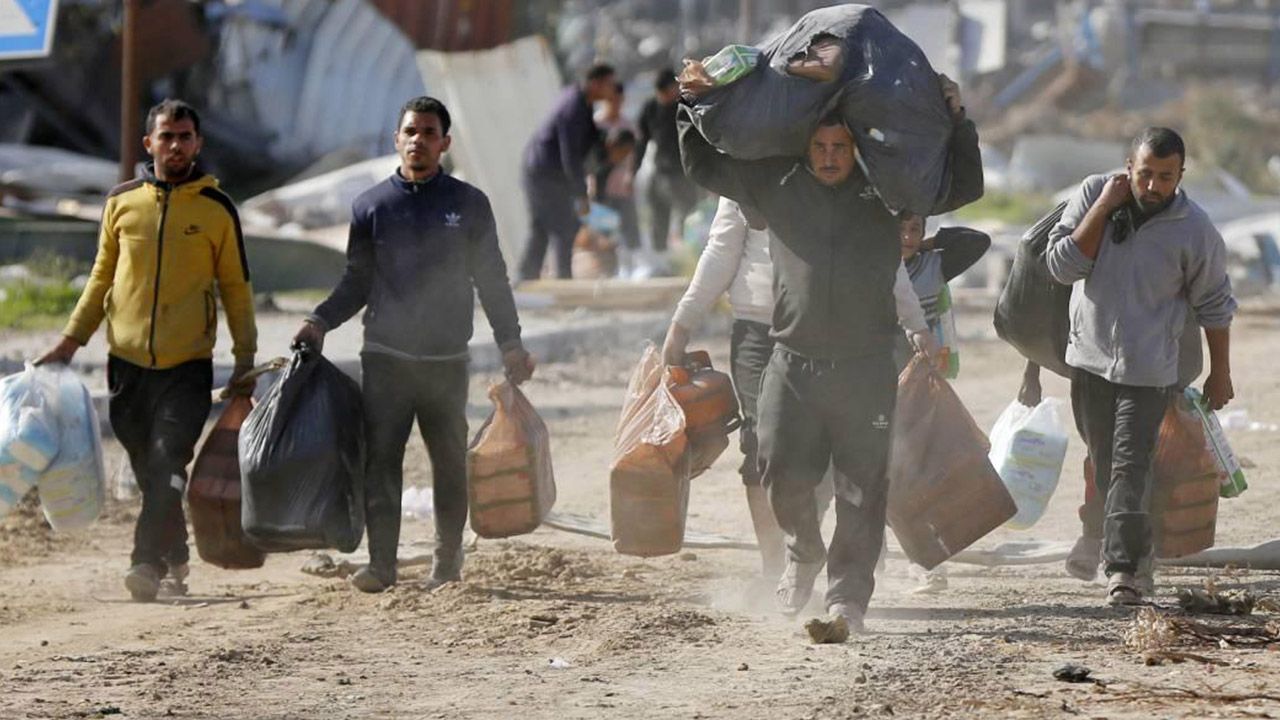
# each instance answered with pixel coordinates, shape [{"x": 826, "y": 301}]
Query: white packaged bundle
[{"x": 1028, "y": 447}]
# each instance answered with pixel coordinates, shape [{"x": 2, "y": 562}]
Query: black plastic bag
[
  {"x": 885, "y": 89},
  {"x": 1033, "y": 313},
  {"x": 302, "y": 461}
]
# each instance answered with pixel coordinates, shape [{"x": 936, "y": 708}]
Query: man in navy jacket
[
  {"x": 420, "y": 241},
  {"x": 555, "y": 180}
]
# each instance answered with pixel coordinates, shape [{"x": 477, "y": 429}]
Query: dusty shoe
[
  {"x": 1082, "y": 562},
  {"x": 796, "y": 586},
  {"x": 143, "y": 582},
  {"x": 366, "y": 579},
  {"x": 853, "y": 617},
  {"x": 932, "y": 581},
  {"x": 1122, "y": 590},
  {"x": 174, "y": 583},
  {"x": 446, "y": 567}
]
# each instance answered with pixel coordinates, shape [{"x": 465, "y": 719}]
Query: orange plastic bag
[
  {"x": 510, "y": 483},
  {"x": 214, "y": 494},
  {"x": 650, "y": 473},
  {"x": 943, "y": 492},
  {"x": 1186, "y": 477}
]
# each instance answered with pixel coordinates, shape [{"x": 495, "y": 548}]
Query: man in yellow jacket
[{"x": 168, "y": 242}]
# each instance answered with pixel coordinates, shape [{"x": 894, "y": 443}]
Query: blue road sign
[{"x": 26, "y": 28}]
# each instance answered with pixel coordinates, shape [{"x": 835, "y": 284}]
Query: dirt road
[{"x": 558, "y": 626}]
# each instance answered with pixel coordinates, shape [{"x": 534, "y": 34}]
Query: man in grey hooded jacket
[{"x": 1138, "y": 252}]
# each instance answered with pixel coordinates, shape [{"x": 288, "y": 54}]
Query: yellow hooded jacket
[{"x": 162, "y": 248}]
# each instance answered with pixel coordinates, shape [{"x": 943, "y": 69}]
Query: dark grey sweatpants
[
  {"x": 815, "y": 413},
  {"x": 397, "y": 392},
  {"x": 1120, "y": 424}
]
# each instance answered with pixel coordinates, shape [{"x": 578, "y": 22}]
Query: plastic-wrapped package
[
  {"x": 510, "y": 483},
  {"x": 73, "y": 488},
  {"x": 1186, "y": 484},
  {"x": 1233, "y": 482},
  {"x": 1028, "y": 447},
  {"x": 302, "y": 461},
  {"x": 650, "y": 473}
]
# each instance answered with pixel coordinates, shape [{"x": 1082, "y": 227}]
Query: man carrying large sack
[
  {"x": 167, "y": 238},
  {"x": 420, "y": 241},
  {"x": 828, "y": 391},
  {"x": 1137, "y": 251}
]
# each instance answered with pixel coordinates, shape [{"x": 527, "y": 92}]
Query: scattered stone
[
  {"x": 244, "y": 604},
  {"x": 1073, "y": 674},
  {"x": 543, "y": 620},
  {"x": 688, "y": 557},
  {"x": 744, "y": 667}
]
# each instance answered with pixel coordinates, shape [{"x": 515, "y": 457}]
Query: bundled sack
[
  {"x": 302, "y": 460},
  {"x": 1033, "y": 312},
  {"x": 943, "y": 492},
  {"x": 50, "y": 438},
  {"x": 847, "y": 57},
  {"x": 510, "y": 483},
  {"x": 213, "y": 495},
  {"x": 1186, "y": 484},
  {"x": 651, "y": 468},
  {"x": 1028, "y": 448}
]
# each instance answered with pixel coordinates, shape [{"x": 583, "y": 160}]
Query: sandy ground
[{"x": 554, "y": 625}]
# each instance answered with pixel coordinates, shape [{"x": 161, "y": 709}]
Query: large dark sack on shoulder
[
  {"x": 302, "y": 459},
  {"x": 1033, "y": 313},
  {"x": 878, "y": 78}
]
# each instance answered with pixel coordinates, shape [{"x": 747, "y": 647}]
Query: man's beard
[{"x": 1150, "y": 207}]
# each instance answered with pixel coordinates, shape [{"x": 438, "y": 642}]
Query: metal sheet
[
  {"x": 496, "y": 98},
  {"x": 333, "y": 80}
]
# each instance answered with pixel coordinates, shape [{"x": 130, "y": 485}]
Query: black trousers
[
  {"x": 553, "y": 220},
  {"x": 158, "y": 416},
  {"x": 397, "y": 392},
  {"x": 815, "y": 413},
  {"x": 667, "y": 191},
  {"x": 750, "y": 348},
  {"x": 1120, "y": 424}
]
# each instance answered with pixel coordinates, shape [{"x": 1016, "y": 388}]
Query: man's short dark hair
[
  {"x": 666, "y": 78},
  {"x": 1162, "y": 141},
  {"x": 424, "y": 104},
  {"x": 831, "y": 119},
  {"x": 173, "y": 110},
  {"x": 600, "y": 71}
]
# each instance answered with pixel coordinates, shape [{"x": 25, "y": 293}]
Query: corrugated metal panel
[
  {"x": 333, "y": 80},
  {"x": 497, "y": 98},
  {"x": 452, "y": 25}
]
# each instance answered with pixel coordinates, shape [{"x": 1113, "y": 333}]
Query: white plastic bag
[
  {"x": 73, "y": 488},
  {"x": 28, "y": 426},
  {"x": 1028, "y": 447},
  {"x": 15, "y": 480}
]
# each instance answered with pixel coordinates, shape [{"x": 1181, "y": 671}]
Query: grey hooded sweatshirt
[{"x": 1129, "y": 306}]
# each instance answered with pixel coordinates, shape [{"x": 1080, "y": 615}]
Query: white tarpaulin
[{"x": 496, "y": 99}]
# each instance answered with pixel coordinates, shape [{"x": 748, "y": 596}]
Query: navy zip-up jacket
[
  {"x": 559, "y": 148},
  {"x": 414, "y": 253}
]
